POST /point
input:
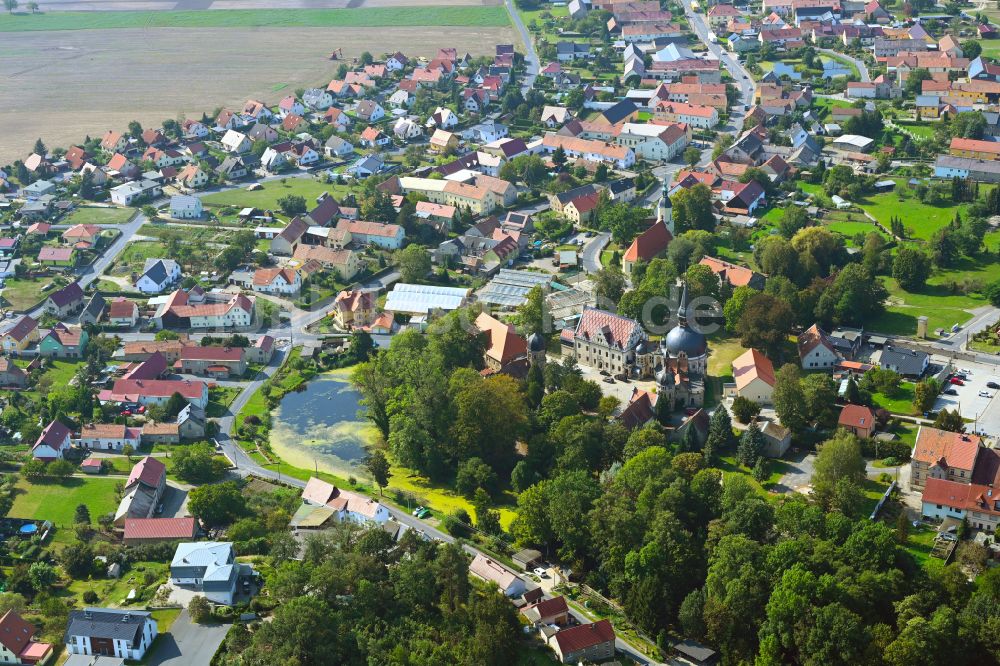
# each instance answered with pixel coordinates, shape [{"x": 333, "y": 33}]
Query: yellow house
[
  {"x": 19, "y": 336},
  {"x": 354, "y": 308}
]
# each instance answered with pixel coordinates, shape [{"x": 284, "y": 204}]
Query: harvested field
[{"x": 64, "y": 85}]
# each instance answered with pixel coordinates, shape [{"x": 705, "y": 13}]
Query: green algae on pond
[{"x": 320, "y": 426}]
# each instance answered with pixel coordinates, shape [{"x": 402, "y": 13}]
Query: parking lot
[{"x": 971, "y": 399}]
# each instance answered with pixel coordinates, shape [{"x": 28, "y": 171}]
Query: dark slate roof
[
  {"x": 906, "y": 361},
  {"x": 95, "y": 306},
  {"x": 569, "y": 195},
  {"x": 106, "y": 623},
  {"x": 68, "y": 294},
  {"x": 619, "y": 111},
  {"x": 156, "y": 272}
]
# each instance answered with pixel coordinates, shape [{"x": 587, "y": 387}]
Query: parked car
[
  {"x": 956, "y": 381},
  {"x": 950, "y": 392},
  {"x": 540, "y": 572},
  {"x": 608, "y": 380},
  {"x": 992, "y": 385}
]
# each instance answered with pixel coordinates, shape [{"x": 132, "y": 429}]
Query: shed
[{"x": 527, "y": 559}]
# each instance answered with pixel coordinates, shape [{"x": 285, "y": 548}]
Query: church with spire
[{"x": 654, "y": 241}]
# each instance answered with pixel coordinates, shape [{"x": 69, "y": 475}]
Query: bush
[{"x": 90, "y": 597}]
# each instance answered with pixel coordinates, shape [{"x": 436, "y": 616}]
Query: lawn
[
  {"x": 133, "y": 257},
  {"x": 96, "y": 215},
  {"x": 943, "y": 308},
  {"x": 923, "y": 130},
  {"x": 365, "y": 17},
  {"x": 59, "y": 373},
  {"x": 920, "y": 543},
  {"x": 23, "y": 294},
  {"x": 919, "y": 219},
  {"x": 219, "y": 399},
  {"x": 441, "y": 499},
  {"x": 267, "y": 197},
  {"x": 57, "y": 502},
  {"x": 111, "y": 592},
  {"x": 899, "y": 403}
]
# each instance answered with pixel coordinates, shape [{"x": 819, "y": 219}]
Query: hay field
[{"x": 63, "y": 85}]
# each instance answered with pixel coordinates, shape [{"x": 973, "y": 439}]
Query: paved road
[
  {"x": 591, "y": 255},
  {"x": 740, "y": 75},
  {"x": 531, "y": 57},
  {"x": 188, "y": 644},
  {"x": 860, "y": 64}
]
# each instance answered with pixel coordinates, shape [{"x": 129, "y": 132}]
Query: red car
[{"x": 956, "y": 381}]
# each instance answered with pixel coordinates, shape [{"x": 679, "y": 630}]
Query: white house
[
  {"x": 346, "y": 505},
  {"x": 754, "y": 377},
  {"x": 494, "y": 572},
  {"x": 194, "y": 130},
  {"x": 442, "y": 118},
  {"x": 277, "y": 281},
  {"x": 209, "y": 568},
  {"x": 53, "y": 441},
  {"x": 319, "y": 99},
  {"x": 125, "y": 634},
  {"x": 399, "y": 99},
  {"x": 128, "y": 193},
  {"x": 109, "y": 437},
  {"x": 406, "y": 129},
  {"x": 816, "y": 352},
  {"x": 236, "y": 142},
  {"x": 184, "y": 207},
  {"x": 289, "y": 105},
  {"x": 338, "y": 147},
  {"x": 396, "y": 62},
  {"x": 157, "y": 275}
]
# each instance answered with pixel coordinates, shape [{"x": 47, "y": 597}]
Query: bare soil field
[{"x": 62, "y": 86}]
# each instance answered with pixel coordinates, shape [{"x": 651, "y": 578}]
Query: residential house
[
  {"x": 975, "y": 149},
  {"x": 157, "y": 275},
  {"x": 696, "y": 115},
  {"x": 143, "y": 490},
  {"x": 366, "y": 165},
  {"x": 63, "y": 341},
  {"x": 754, "y": 377},
  {"x": 57, "y": 257},
  {"x": 236, "y": 142},
  {"x": 654, "y": 142},
  {"x": 218, "y": 362},
  {"x": 594, "y": 642},
  {"x": 114, "y": 142},
  {"x": 183, "y": 309},
  {"x": 506, "y": 351},
  {"x": 369, "y": 111},
  {"x": 442, "y": 118},
  {"x": 406, "y": 129},
  {"x": 232, "y": 168},
  {"x": 336, "y": 117},
  {"x": 944, "y": 455},
  {"x": 547, "y": 612},
  {"x": 193, "y": 129},
  {"x": 733, "y": 274},
  {"x": 16, "y": 644},
  {"x": 156, "y": 391},
  {"x": 354, "y": 308},
  {"x": 396, "y": 62},
  {"x": 388, "y": 236},
  {"x": 595, "y": 151},
  {"x": 816, "y": 352},
  {"x": 52, "y": 443},
  {"x": 372, "y": 137},
  {"x": 126, "y": 634},
  {"x": 65, "y": 301},
  {"x": 185, "y": 207},
  {"x": 18, "y": 335},
  {"x": 443, "y": 142},
  {"x": 109, "y": 437},
  {"x": 11, "y": 376},
  {"x": 337, "y": 147},
  {"x": 123, "y": 313},
  {"x": 491, "y": 571},
  {"x": 344, "y": 504},
  {"x": 93, "y": 311},
  {"x": 277, "y": 281},
  {"x": 128, "y": 194},
  {"x": 288, "y": 240},
  {"x": 606, "y": 341},
  {"x": 347, "y": 263},
  {"x": 857, "y": 419},
  {"x": 910, "y": 363},
  {"x": 290, "y": 105}
]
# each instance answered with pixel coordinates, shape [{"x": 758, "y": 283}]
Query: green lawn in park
[
  {"x": 269, "y": 193},
  {"x": 921, "y": 220},
  {"x": 361, "y": 17},
  {"x": 57, "y": 502},
  {"x": 98, "y": 215},
  {"x": 901, "y": 402},
  {"x": 922, "y": 130}
]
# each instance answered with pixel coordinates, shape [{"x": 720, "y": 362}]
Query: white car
[{"x": 541, "y": 572}]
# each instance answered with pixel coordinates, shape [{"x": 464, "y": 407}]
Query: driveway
[
  {"x": 799, "y": 475},
  {"x": 188, "y": 644}
]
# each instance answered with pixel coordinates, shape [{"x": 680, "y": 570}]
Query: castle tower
[
  {"x": 665, "y": 211},
  {"x": 536, "y": 349}
]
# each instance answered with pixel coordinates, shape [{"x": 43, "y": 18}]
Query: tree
[
  {"x": 789, "y": 399},
  {"x": 944, "y": 249},
  {"x": 692, "y": 156},
  {"x": 414, "y": 263},
  {"x": 839, "y": 459},
  {"x": 42, "y": 575},
  {"x": 77, "y": 559},
  {"x": 474, "y": 474},
  {"x": 217, "y": 504},
  {"x": 292, "y": 204},
  {"x": 925, "y": 394},
  {"x": 197, "y": 463},
  {"x": 693, "y": 209},
  {"x": 792, "y": 220},
  {"x": 854, "y": 297},
  {"x": 744, "y": 409},
  {"x": 128, "y": 451},
  {"x": 949, "y": 420},
  {"x": 11, "y": 5},
  {"x": 765, "y": 324},
  {"x": 82, "y": 514},
  {"x": 199, "y": 609},
  {"x": 761, "y": 470},
  {"x": 559, "y": 158},
  {"x": 736, "y": 305},
  {"x": 487, "y": 519},
  {"x": 751, "y": 446},
  {"x": 609, "y": 285},
  {"x": 378, "y": 466},
  {"x": 911, "y": 268},
  {"x": 40, "y": 148}
]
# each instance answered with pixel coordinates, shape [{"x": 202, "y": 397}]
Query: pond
[{"x": 320, "y": 427}]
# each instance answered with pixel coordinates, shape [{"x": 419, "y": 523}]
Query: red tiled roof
[
  {"x": 15, "y": 632},
  {"x": 159, "y": 528},
  {"x": 54, "y": 435},
  {"x": 581, "y": 637},
  {"x": 738, "y": 276},
  {"x": 752, "y": 365},
  {"x": 958, "y": 143},
  {"x": 953, "y": 449},
  {"x": 121, "y": 308},
  {"x": 856, "y": 416},
  {"x": 192, "y": 353},
  {"x": 149, "y": 471},
  {"x": 505, "y": 344},
  {"x": 649, "y": 244},
  {"x": 129, "y": 390},
  {"x": 606, "y": 328},
  {"x": 548, "y": 608}
]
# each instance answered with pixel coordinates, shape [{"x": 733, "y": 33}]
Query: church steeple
[
  {"x": 665, "y": 211},
  {"x": 682, "y": 308}
]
